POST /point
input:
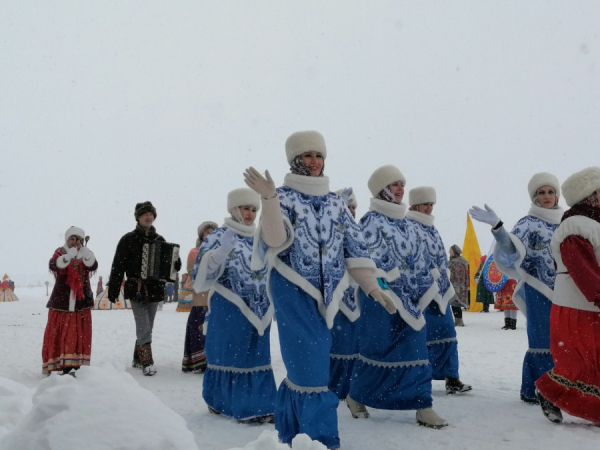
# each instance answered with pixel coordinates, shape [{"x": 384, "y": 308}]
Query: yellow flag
[{"x": 472, "y": 254}]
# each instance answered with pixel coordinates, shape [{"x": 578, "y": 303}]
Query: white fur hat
[
  {"x": 242, "y": 197},
  {"x": 74, "y": 231},
  {"x": 351, "y": 200},
  {"x": 542, "y": 179},
  {"x": 304, "y": 141},
  {"x": 581, "y": 184},
  {"x": 420, "y": 195},
  {"x": 384, "y": 176}
]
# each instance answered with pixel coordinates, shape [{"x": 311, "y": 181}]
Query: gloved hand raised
[
  {"x": 346, "y": 193},
  {"x": 71, "y": 253},
  {"x": 265, "y": 187},
  {"x": 380, "y": 297},
  {"x": 86, "y": 253},
  {"x": 486, "y": 215},
  {"x": 228, "y": 239}
]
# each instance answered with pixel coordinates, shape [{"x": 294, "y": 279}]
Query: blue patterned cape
[
  {"x": 437, "y": 253},
  {"x": 323, "y": 240},
  {"x": 235, "y": 280},
  {"x": 404, "y": 261},
  {"x": 533, "y": 262}
]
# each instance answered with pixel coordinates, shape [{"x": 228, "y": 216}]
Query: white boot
[
  {"x": 149, "y": 370},
  {"x": 358, "y": 410},
  {"x": 429, "y": 418}
]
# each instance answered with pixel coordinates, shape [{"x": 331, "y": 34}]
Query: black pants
[{"x": 457, "y": 311}]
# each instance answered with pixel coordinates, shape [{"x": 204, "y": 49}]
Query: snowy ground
[{"x": 110, "y": 405}]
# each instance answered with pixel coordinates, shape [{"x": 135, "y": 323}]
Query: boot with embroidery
[
  {"x": 145, "y": 354},
  {"x": 135, "y": 363}
]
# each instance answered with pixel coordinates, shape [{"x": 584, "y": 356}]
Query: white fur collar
[
  {"x": 317, "y": 186},
  {"x": 240, "y": 228},
  {"x": 547, "y": 215},
  {"x": 425, "y": 219},
  {"x": 391, "y": 210}
]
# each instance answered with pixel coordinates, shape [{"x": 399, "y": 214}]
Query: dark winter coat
[
  {"x": 128, "y": 261},
  {"x": 59, "y": 299}
]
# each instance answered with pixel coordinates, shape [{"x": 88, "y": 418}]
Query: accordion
[{"x": 158, "y": 261}]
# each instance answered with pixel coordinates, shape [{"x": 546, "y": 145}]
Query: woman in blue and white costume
[
  {"x": 441, "y": 334},
  {"x": 312, "y": 245},
  {"x": 344, "y": 346},
  {"x": 393, "y": 370},
  {"x": 525, "y": 255},
  {"x": 238, "y": 381}
]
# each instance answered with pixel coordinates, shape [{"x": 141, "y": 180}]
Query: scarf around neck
[
  {"x": 547, "y": 215},
  {"x": 240, "y": 228},
  {"x": 315, "y": 186},
  {"x": 389, "y": 209},
  {"x": 585, "y": 209},
  {"x": 425, "y": 219}
]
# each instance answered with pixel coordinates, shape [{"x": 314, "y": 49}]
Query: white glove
[
  {"x": 219, "y": 255},
  {"x": 346, "y": 193},
  {"x": 486, "y": 215},
  {"x": 265, "y": 187},
  {"x": 85, "y": 253},
  {"x": 380, "y": 297},
  {"x": 71, "y": 253}
]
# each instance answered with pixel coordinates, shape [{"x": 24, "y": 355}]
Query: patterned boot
[
  {"x": 135, "y": 363},
  {"x": 513, "y": 324},
  {"x": 145, "y": 354}
]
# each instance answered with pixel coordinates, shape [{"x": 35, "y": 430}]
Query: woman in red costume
[
  {"x": 68, "y": 336},
  {"x": 573, "y": 385}
]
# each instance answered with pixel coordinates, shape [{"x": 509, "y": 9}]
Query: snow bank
[
  {"x": 15, "y": 402},
  {"x": 268, "y": 440},
  {"x": 105, "y": 406}
]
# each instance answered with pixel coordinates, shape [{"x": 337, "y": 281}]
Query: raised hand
[
  {"x": 265, "y": 187},
  {"x": 346, "y": 193},
  {"x": 486, "y": 215}
]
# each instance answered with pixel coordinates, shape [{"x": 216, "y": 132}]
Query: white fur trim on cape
[
  {"x": 566, "y": 292},
  {"x": 391, "y": 210},
  {"x": 443, "y": 301},
  {"x": 240, "y": 228},
  {"x": 202, "y": 284},
  {"x": 425, "y": 219},
  {"x": 553, "y": 216},
  {"x": 517, "y": 273},
  {"x": 317, "y": 186}
]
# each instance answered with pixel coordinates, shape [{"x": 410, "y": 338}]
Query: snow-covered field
[{"x": 110, "y": 406}]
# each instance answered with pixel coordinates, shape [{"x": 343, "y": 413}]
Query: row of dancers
[{"x": 362, "y": 308}]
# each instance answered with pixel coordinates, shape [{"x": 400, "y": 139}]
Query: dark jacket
[
  {"x": 128, "y": 261},
  {"x": 59, "y": 299}
]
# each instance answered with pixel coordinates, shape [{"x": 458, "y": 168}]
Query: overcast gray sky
[{"x": 105, "y": 104}]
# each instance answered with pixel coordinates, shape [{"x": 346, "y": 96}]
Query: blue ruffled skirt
[
  {"x": 538, "y": 359},
  {"x": 441, "y": 342},
  {"x": 238, "y": 381},
  {"x": 344, "y": 352},
  {"x": 393, "y": 370},
  {"x": 304, "y": 402}
]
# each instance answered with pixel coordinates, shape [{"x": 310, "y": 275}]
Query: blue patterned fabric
[
  {"x": 536, "y": 234},
  {"x": 235, "y": 275},
  {"x": 437, "y": 252},
  {"x": 325, "y": 235},
  {"x": 349, "y": 299},
  {"x": 396, "y": 243}
]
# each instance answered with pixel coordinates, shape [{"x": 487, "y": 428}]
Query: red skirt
[
  {"x": 67, "y": 340},
  {"x": 574, "y": 383}
]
